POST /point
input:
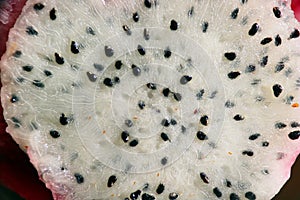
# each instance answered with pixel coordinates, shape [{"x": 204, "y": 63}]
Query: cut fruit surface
[{"x": 155, "y": 99}]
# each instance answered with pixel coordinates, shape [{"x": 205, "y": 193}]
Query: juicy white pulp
[{"x": 90, "y": 116}]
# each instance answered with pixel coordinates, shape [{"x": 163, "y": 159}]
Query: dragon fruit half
[{"x": 155, "y": 99}]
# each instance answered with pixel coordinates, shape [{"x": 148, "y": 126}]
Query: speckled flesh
[{"x": 155, "y": 99}]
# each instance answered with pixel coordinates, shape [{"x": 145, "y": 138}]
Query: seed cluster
[{"x": 173, "y": 110}]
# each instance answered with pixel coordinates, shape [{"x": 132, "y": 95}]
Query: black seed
[
  {"x": 54, "y": 134},
  {"x": 191, "y": 11},
  {"x": 204, "y": 27},
  {"x": 116, "y": 79},
  {"x": 92, "y": 77},
  {"x": 173, "y": 25},
  {"x": 167, "y": 53},
  {"x": 151, "y": 86},
  {"x": 47, "y": 73},
  {"x": 128, "y": 123},
  {"x": 146, "y": 186},
  {"x": 264, "y": 61},
  {"x": 75, "y": 67},
  {"x": 230, "y": 55},
  {"x": 164, "y": 137},
  {"x": 250, "y": 195},
  {"x": 141, "y": 104},
  {"x": 277, "y": 89},
  {"x": 204, "y": 120},
  {"x": 146, "y": 196},
  {"x": 31, "y": 31},
  {"x": 238, "y": 117},
  {"x": 248, "y": 153},
  {"x": 20, "y": 79},
  {"x": 89, "y": 30},
  {"x": 52, "y": 14},
  {"x": 27, "y": 68},
  {"x": 295, "y": 124},
  {"x": 277, "y": 40},
  {"x": 177, "y": 96},
  {"x": 266, "y": 41},
  {"x": 294, "y": 34},
  {"x": 166, "y": 92},
  {"x": 204, "y": 177},
  {"x": 294, "y": 135},
  {"x": 98, "y": 67},
  {"x": 250, "y": 68},
  {"x": 234, "y": 196},
  {"x": 201, "y": 135},
  {"x": 14, "y": 99},
  {"x": 127, "y": 29},
  {"x": 160, "y": 188},
  {"x": 265, "y": 144},
  {"x": 133, "y": 143},
  {"x": 280, "y": 125},
  {"x": 279, "y": 67},
  {"x": 265, "y": 171},
  {"x": 213, "y": 94},
  {"x": 256, "y": 81},
  {"x": 183, "y": 129},
  {"x": 164, "y": 161},
  {"x": 229, "y": 104},
  {"x": 125, "y": 136},
  {"x": 146, "y": 34},
  {"x": 79, "y": 178},
  {"x": 16, "y": 121},
  {"x": 141, "y": 50},
  {"x": 253, "y": 30},
  {"x": 111, "y": 181},
  {"x": 200, "y": 94},
  {"x": 185, "y": 79},
  {"x": 233, "y": 75},
  {"x": 289, "y": 99},
  {"x": 165, "y": 123},
  {"x": 244, "y": 1},
  {"x": 217, "y": 192},
  {"x": 136, "y": 70},
  {"x": 109, "y": 52},
  {"x": 173, "y": 122},
  {"x": 135, "y": 195},
  {"x": 63, "y": 119},
  {"x": 118, "y": 64},
  {"x": 147, "y": 3},
  {"x": 228, "y": 183},
  {"x": 126, "y": 198},
  {"x": 38, "y": 83},
  {"x": 234, "y": 13},
  {"x": 74, "y": 47},
  {"x": 17, "y": 54},
  {"x": 259, "y": 98},
  {"x": 135, "y": 17},
  {"x": 254, "y": 136},
  {"x": 108, "y": 82},
  {"x": 277, "y": 12},
  {"x": 173, "y": 196},
  {"x": 58, "y": 59},
  {"x": 38, "y": 6}
]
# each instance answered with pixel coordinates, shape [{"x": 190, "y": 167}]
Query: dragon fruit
[{"x": 155, "y": 99}]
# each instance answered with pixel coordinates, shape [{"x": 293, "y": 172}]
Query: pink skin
[{"x": 18, "y": 174}]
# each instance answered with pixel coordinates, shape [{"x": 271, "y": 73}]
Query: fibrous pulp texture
[{"x": 155, "y": 99}]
